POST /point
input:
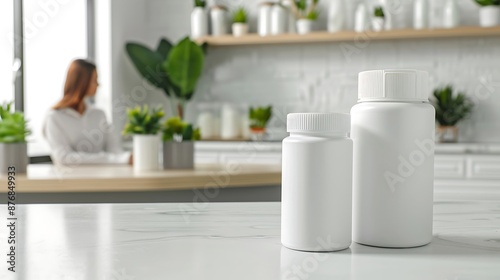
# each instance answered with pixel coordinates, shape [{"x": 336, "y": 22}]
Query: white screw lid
[
  {"x": 393, "y": 85},
  {"x": 318, "y": 122}
]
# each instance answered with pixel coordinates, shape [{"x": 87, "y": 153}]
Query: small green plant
[
  {"x": 200, "y": 3},
  {"x": 379, "y": 12},
  {"x": 240, "y": 15},
  {"x": 259, "y": 116},
  {"x": 174, "y": 129},
  {"x": 143, "y": 121},
  {"x": 13, "y": 125},
  {"x": 450, "y": 108},
  {"x": 304, "y": 9},
  {"x": 488, "y": 2}
]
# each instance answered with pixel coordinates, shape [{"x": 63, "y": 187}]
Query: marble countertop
[{"x": 233, "y": 241}]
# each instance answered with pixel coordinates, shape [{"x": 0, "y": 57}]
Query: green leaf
[
  {"x": 164, "y": 48},
  {"x": 184, "y": 65},
  {"x": 260, "y": 116},
  {"x": 143, "y": 120},
  {"x": 240, "y": 15},
  {"x": 13, "y": 126}
]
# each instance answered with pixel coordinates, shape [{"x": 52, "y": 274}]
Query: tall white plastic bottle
[
  {"x": 392, "y": 130},
  {"x": 316, "y": 202}
]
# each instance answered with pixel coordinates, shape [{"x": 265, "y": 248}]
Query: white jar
[
  {"x": 393, "y": 170},
  {"x": 451, "y": 15},
  {"x": 317, "y": 182},
  {"x": 336, "y": 14},
  {"x": 146, "y": 152},
  {"x": 230, "y": 122},
  {"x": 264, "y": 22},
  {"x": 361, "y": 18},
  {"x": 218, "y": 20},
  {"x": 278, "y": 20},
  {"x": 421, "y": 14},
  {"x": 199, "y": 23}
]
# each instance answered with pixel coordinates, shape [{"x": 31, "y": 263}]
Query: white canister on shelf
[
  {"x": 199, "y": 23},
  {"x": 451, "y": 14},
  {"x": 206, "y": 124},
  {"x": 146, "y": 152},
  {"x": 230, "y": 122},
  {"x": 291, "y": 25},
  {"x": 218, "y": 20},
  {"x": 421, "y": 14},
  {"x": 336, "y": 18},
  {"x": 389, "y": 9},
  {"x": 245, "y": 127},
  {"x": 264, "y": 21},
  {"x": 489, "y": 16},
  {"x": 361, "y": 18},
  {"x": 278, "y": 20}
]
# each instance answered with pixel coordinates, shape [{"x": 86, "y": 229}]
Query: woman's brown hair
[{"x": 77, "y": 83}]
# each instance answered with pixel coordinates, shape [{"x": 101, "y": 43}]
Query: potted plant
[
  {"x": 489, "y": 13},
  {"x": 13, "y": 146},
  {"x": 305, "y": 13},
  {"x": 240, "y": 19},
  {"x": 378, "y": 19},
  {"x": 144, "y": 125},
  {"x": 450, "y": 109},
  {"x": 173, "y": 69},
  {"x": 199, "y": 20},
  {"x": 178, "y": 144},
  {"x": 259, "y": 117}
]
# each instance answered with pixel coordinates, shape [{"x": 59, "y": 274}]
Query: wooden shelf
[{"x": 351, "y": 36}]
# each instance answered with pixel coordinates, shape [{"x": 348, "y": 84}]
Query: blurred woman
[{"x": 78, "y": 132}]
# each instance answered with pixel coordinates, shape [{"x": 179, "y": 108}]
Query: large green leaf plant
[
  {"x": 13, "y": 125},
  {"x": 173, "y": 69}
]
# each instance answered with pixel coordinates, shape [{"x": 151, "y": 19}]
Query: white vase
[
  {"x": 218, "y": 21},
  {"x": 304, "y": 26},
  {"x": 278, "y": 20},
  {"x": 389, "y": 12},
  {"x": 206, "y": 123},
  {"x": 290, "y": 22},
  {"x": 360, "y": 18},
  {"x": 199, "y": 23},
  {"x": 378, "y": 23},
  {"x": 421, "y": 14},
  {"x": 336, "y": 13},
  {"x": 230, "y": 122},
  {"x": 264, "y": 21},
  {"x": 451, "y": 16},
  {"x": 146, "y": 152},
  {"x": 489, "y": 16},
  {"x": 240, "y": 29}
]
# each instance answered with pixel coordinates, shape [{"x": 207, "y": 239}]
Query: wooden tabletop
[{"x": 46, "y": 178}]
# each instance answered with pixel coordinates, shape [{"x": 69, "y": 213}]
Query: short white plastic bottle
[
  {"x": 316, "y": 199},
  {"x": 393, "y": 165}
]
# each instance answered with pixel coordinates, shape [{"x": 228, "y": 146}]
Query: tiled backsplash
[{"x": 323, "y": 77}]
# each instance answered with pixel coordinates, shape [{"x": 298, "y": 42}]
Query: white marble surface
[{"x": 234, "y": 241}]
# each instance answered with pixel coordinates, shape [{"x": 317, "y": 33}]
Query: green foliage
[
  {"x": 450, "y": 108},
  {"x": 379, "y": 12},
  {"x": 312, "y": 15},
  {"x": 143, "y": 121},
  {"x": 13, "y": 125},
  {"x": 301, "y": 4},
  {"x": 174, "y": 129},
  {"x": 173, "y": 69},
  {"x": 184, "y": 66},
  {"x": 200, "y": 3},
  {"x": 259, "y": 116},
  {"x": 240, "y": 15},
  {"x": 488, "y": 2}
]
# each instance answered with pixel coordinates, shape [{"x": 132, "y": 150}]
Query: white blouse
[{"x": 77, "y": 139}]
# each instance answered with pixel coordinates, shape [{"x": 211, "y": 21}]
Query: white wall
[{"x": 308, "y": 77}]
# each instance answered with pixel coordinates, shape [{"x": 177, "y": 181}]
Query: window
[
  {"x": 55, "y": 33},
  {"x": 6, "y": 51}
]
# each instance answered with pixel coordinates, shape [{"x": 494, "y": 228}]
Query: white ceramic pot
[
  {"x": 421, "y": 14},
  {"x": 304, "y": 26},
  {"x": 336, "y": 14},
  {"x": 489, "y": 16},
  {"x": 218, "y": 19},
  {"x": 378, "y": 24},
  {"x": 146, "y": 152},
  {"x": 199, "y": 23},
  {"x": 361, "y": 18},
  {"x": 240, "y": 29},
  {"x": 206, "y": 123},
  {"x": 230, "y": 122},
  {"x": 451, "y": 16},
  {"x": 278, "y": 20}
]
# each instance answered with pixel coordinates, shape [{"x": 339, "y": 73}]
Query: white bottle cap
[
  {"x": 318, "y": 122},
  {"x": 393, "y": 85}
]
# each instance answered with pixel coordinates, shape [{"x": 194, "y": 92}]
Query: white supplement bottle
[
  {"x": 393, "y": 171},
  {"x": 316, "y": 201}
]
